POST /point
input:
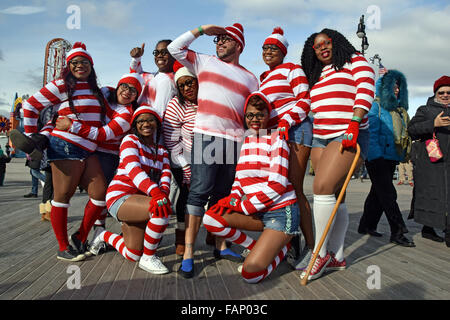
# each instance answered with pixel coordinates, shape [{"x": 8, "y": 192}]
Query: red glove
[
  {"x": 232, "y": 202},
  {"x": 159, "y": 204},
  {"x": 351, "y": 135},
  {"x": 218, "y": 209},
  {"x": 283, "y": 128}
]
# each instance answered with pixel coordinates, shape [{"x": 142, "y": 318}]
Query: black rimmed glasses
[
  {"x": 187, "y": 83},
  {"x": 441, "y": 93},
  {"x": 163, "y": 52},
  {"x": 83, "y": 62},
  {"x": 126, "y": 86},
  {"x": 258, "y": 115},
  {"x": 148, "y": 121},
  {"x": 222, "y": 38},
  {"x": 270, "y": 47}
]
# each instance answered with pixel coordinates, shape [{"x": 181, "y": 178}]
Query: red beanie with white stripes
[
  {"x": 146, "y": 108},
  {"x": 236, "y": 31},
  {"x": 79, "y": 49},
  {"x": 277, "y": 38},
  {"x": 133, "y": 78}
]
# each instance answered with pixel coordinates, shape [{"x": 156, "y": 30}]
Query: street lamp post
[{"x": 361, "y": 33}]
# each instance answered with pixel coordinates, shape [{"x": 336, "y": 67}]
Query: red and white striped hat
[
  {"x": 79, "y": 49},
  {"x": 262, "y": 96},
  {"x": 181, "y": 71},
  {"x": 133, "y": 78},
  {"x": 236, "y": 31},
  {"x": 277, "y": 38},
  {"x": 146, "y": 108}
]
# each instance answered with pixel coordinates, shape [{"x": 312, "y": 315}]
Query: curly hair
[{"x": 342, "y": 53}]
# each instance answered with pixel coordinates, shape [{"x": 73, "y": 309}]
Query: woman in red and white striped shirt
[
  {"x": 270, "y": 203},
  {"x": 138, "y": 194},
  {"x": 342, "y": 90},
  {"x": 286, "y": 87},
  {"x": 179, "y": 121},
  {"x": 77, "y": 96}
]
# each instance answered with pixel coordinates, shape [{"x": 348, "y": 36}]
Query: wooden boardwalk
[{"x": 29, "y": 269}]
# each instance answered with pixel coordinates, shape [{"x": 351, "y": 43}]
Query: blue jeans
[
  {"x": 109, "y": 163},
  {"x": 302, "y": 133},
  {"x": 286, "y": 219},
  {"x": 213, "y": 167},
  {"x": 59, "y": 149},
  {"x": 363, "y": 141},
  {"x": 36, "y": 175}
]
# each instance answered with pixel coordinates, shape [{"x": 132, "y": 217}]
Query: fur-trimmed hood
[{"x": 385, "y": 90}]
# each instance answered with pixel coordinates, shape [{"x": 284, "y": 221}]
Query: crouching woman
[{"x": 261, "y": 199}]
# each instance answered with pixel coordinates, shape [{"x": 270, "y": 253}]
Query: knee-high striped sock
[
  {"x": 153, "y": 234},
  {"x": 92, "y": 212},
  {"x": 255, "y": 277},
  {"x": 58, "y": 217},
  {"x": 117, "y": 242},
  {"x": 101, "y": 222},
  {"x": 337, "y": 235},
  {"x": 218, "y": 226}
]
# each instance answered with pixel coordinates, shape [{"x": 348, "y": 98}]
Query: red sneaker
[
  {"x": 319, "y": 267},
  {"x": 399, "y": 183},
  {"x": 336, "y": 265}
]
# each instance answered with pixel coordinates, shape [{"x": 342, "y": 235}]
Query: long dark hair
[
  {"x": 70, "y": 82},
  {"x": 342, "y": 53}
]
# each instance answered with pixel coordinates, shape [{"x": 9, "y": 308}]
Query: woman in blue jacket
[{"x": 389, "y": 108}]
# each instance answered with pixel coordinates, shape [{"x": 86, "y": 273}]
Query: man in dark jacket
[{"x": 4, "y": 159}]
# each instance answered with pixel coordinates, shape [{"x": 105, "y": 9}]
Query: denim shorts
[
  {"x": 59, "y": 149},
  {"x": 114, "y": 209},
  {"x": 363, "y": 141},
  {"x": 302, "y": 133},
  {"x": 286, "y": 219},
  {"x": 109, "y": 163}
]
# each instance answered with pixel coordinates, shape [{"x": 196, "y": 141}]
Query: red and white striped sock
[
  {"x": 58, "y": 217},
  {"x": 153, "y": 234},
  {"x": 218, "y": 226},
  {"x": 255, "y": 277},
  {"x": 101, "y": 222},
  {"x": 92, "y": 212},
  {"x": 117, "y": 242}
]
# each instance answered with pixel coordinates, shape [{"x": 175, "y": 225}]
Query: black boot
[
  {"x": 401, "y": 240},
  {"x": 447, "y": 238},
  {"x": 429, "y": 233},
  {"x": 32, "y": 145}
]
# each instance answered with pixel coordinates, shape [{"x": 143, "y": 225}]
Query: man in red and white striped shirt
[{"x": 224, "y": 86}]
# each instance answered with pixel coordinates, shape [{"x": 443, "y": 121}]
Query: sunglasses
[
  {"x": 187, "y": 83},
  {"x": 222, "y": 38},
  {"x": 163, "y": 52},
  {"x": 443, "y": 92},
  {"x": 75, "y": 63},
  {"x": 319, "y": 45},
  {"x": 258, "y": 115},
  {"x": 126, "y": 86},
  {"x": 272, "y": 47}
]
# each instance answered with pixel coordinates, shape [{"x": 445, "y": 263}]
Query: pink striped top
[
  {"x": 118, "y": 123},
  {"x": 178, "y": 128},
  {"x": 158, "y": 89},
  {"x": 337, "y": 93},
  {"x": 287, "y": 89},
  {"x": 136, "y": 168},
  {"x": 223, "y": 89},
  {"x": 54, "y": 93},
  {"x": 262, "y": 174}
]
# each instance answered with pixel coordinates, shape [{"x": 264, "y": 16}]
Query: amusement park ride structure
[{"x": 54, "y": 64}]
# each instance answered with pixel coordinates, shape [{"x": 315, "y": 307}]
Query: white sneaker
[
  {"x": 97, "y": 242},
  {"x": 153, "y": 265},
  {"x": 239, "y": 268},
  {"x": 245, "y": 253}
]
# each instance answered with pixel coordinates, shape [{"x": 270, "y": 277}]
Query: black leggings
[{"x": 180, "y": 202}]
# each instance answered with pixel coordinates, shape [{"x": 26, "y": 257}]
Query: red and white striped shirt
[
  {"x": 223, "y": 89},
  {"x": 262, "y": 174},
  {"x": 158, "y": 87},
  {"x": 54, "y": 93},
  {"x": 337, "y": 93},
  {"x": 287, "y": 89},
  {"x": 178, "y": 128},
  {"x": 137, "y": 165},
  {"x": 118, "y": 123}
]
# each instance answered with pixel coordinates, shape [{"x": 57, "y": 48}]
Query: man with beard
[{"x": 224, "y": 86}]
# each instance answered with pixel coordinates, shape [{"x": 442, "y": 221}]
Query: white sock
[
  {"x": 322, "y": 207},
  {"x": 337, "y": 234}
]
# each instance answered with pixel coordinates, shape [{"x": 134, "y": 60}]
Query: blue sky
[{"x": 412, "y": 36}]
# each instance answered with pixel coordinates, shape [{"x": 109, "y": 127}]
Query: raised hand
[{"x": 137, "y": 52}]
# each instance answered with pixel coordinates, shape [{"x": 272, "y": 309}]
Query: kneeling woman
[
  {"x": 138, "y": 194},
  {"x": 270, "y": 205}
]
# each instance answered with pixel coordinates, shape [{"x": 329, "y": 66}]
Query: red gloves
[
  {"x": 351, "y": 135},
  {"x": 159, "y": 204},
  {"x": 283, "y": 128},
  {"x": 232, "y": 202},
  {"x": 218, "y": 209}
]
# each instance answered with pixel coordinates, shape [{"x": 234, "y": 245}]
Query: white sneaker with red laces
[
  {"x": 335, "y": 265},
  {"x": 319, "y": 267}
]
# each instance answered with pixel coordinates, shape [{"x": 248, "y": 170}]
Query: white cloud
[{"x": 23, "y": 10}]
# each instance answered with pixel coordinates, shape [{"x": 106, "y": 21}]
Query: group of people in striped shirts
[{"x": 237, "y": 148}]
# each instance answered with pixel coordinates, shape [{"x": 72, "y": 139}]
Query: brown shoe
[
  {"x": 47, "y": 216},
  {"x": 179, "y": 242}
]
